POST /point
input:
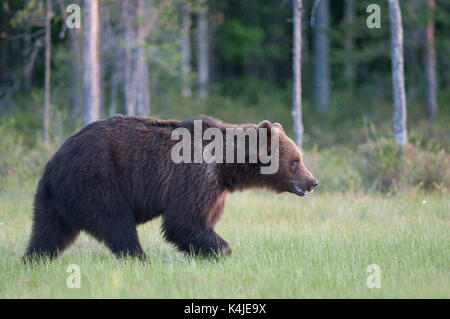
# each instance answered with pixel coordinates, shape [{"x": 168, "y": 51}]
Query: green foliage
[
  {"x": 381, "y": 164},
  {"x": 384, "y": 167},
  {"x": 22, "y": 157},
  {"x": 244, "y": 39},
  {"x": 427, "y": 170},
  {"x": 32, "y": 13}
]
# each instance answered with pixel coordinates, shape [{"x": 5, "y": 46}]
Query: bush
[
  {"x": 384, "y": 168},
  {"x": 426, "y": 169},
  {"x": 379, "y": 164}
]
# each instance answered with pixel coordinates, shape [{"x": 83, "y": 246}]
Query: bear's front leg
[{"x": 195, "y": 240}]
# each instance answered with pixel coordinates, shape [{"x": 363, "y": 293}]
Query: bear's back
[{"x": 117, "y": 146}]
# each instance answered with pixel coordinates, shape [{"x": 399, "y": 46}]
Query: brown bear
[{"x": 117, "y": 173}]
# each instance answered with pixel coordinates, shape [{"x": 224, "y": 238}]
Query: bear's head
[{"x": 292, "y": 175}]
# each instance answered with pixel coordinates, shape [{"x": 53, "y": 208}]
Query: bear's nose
[{"x": 315, "y": 183}]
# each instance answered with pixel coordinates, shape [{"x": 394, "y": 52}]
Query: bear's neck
[{"x": 238, "y": 177}]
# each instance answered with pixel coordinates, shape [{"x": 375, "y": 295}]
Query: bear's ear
[
  {"x": 268, "y": 126},
  {"x": 265, "y": 124},
  {"x": 278, "y": 126}
]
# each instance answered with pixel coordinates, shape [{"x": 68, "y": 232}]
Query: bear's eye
[{"x": 295, "y": 162}]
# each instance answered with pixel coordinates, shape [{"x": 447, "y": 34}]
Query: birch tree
[
  {"x": 186, "y": 49},
  {"x": 203, "y": 49},
  {"x": 321, "y": 79},
  {"x": 129, "y": 37},
  {"x": 91, "y": 63},
  {"x": 136, "y": 83},
  {"x": 430, "y": 66},
  {"x": 398, "y": 79},
  {"x": 48, "y": 44},
  {"x": 75, "y": 79},
  {"x": 297, "y": 68},
  {"x": 141, "y": 66},
  {"x": 75, "y": 61}
]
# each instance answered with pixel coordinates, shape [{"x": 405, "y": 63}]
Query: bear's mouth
[{"x": 298, "y": 190}]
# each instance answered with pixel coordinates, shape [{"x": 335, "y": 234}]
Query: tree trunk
[
  {"x": 297, "y": 68},
  {"x": 75, "y": 98},
  {"x": 186, "y": 49},
  {"x": 48, "y": 45},
  {"x": 414, "y": 35},
  {"x": 321, "y": 58},
  {"x": 398, "y": 79},
  {"x": 305, "y": 40},
  {"x": 141, "y": 66},
  {"x": 75, "y": 77},
  {"x": 129, "y": 85},
  {"x": 30, "y": 64},
  {"x": 203, "y": 49},
  {"x": 91, "y": 63},
  {"x": 27, "y": 55},
  {"x": 430, "y": 67},
  {"x": 136, "y": 82},
  {"x": 349, "y": 15}
]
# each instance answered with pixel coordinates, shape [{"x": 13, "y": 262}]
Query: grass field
[{"x": 283, "y": 247}]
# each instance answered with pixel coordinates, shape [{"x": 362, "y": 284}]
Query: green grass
[{"x": 283, "y": 247}]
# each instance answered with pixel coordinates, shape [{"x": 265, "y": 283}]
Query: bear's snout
[
  {"x": 311, "y": 184},
  {"x": 300, "y": 189}
]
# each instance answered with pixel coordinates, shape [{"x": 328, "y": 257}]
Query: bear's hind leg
[{"x": 50, "y": 235}]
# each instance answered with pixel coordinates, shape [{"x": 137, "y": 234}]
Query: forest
[{"x": 361, "y": 86}]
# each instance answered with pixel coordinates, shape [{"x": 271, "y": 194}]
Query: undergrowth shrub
[
  {"x": 379, "y": 164},
  {"x": 425, "y": 169},
  {"x": 22, "y": 158},
  {"x": 383, "y": 167}
]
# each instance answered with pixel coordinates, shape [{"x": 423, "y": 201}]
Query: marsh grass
[{"x": 283, "y": 247}]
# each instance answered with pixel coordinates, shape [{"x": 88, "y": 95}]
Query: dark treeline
[{"x": 137, "y": 56}]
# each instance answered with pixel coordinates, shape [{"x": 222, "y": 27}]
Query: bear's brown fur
[{"x": 117, "y": 173}]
